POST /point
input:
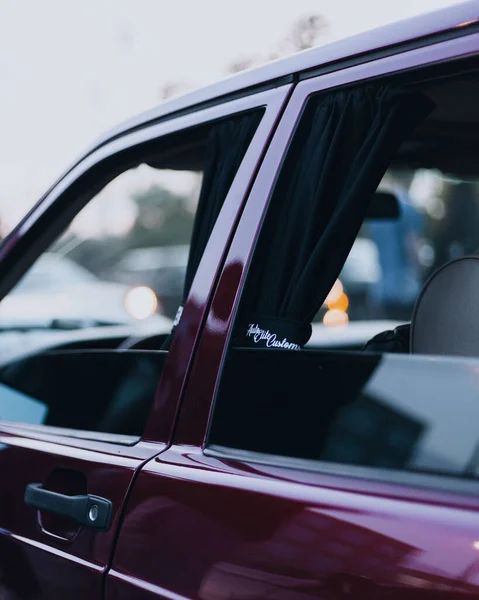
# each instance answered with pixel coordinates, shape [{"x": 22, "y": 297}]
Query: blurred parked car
[
  {"x": 162, "y": 269},
  {"x": 57, "y": 293}
]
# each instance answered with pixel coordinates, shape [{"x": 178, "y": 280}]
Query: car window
[
  {"x": 116, "y": 276},
  {"x": 355, "y": 342},
  {"x": 96, "y": 391},
  {"x": 80, "y": 280},
  {"x": 391, "y": 259}
]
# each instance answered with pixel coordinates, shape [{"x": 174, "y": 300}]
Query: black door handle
[{"x": 90, "y": 511}]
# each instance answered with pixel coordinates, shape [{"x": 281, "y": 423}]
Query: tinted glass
[
  {"x": 104, "y": 391},
  {"x": 437, "y": 221},
  {"x": 385, "y": 411}
]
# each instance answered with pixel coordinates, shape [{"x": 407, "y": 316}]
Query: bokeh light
[
  {"x": 141, "y": 302},
  {"x": 335, "y": 317}
]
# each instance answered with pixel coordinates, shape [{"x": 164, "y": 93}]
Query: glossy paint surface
[
  {"x": 36, "y": 546},
  {"x": 201, "y": 527},
  {"x": 219, "y": 527}
]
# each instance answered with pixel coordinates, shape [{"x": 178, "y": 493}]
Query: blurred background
[{"x": 71, "y": 70}]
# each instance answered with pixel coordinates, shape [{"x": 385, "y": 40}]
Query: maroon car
[{"x": 284, "y": 438}]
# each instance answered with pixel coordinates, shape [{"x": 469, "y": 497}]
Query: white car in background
[{"x": 57, "y": 293}]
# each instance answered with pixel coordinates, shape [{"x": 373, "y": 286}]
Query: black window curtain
[
  {"x": 342, "y": 148},
  {"x": 226, "y": 146}
]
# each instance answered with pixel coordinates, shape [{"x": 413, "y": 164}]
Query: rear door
[
  {"x": 210, "y": 518},
  {"x": 76, "y": 385}
]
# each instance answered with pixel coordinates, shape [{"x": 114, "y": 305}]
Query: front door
[{"x": 97, "y": 271}]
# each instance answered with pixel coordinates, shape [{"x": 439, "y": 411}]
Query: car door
[
  {"x": 212, "y": 518},
  {"x": 68, "y": 450}
]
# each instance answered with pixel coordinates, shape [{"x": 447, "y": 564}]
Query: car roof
[{"x": 458, "y": 16}]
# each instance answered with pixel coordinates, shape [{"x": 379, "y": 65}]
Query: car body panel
[
  {"x": 43, "y": 550},
  {"x": 207, "y": 527}
]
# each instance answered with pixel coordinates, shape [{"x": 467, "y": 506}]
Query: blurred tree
[
  {"x": 172, "y": 89},
  {"x": 163, "y": 219},
  {"x": 305, "y": 33},
  {"x": 240, "y": 64}
]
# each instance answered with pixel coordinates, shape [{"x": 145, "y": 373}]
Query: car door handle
[{"x": 88, "y": 510}]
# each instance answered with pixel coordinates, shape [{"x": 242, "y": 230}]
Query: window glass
[
  {"x": 115, "y": 279},
  {"x": 356, "y": 340},
  {"x": 391, "y": 259},
  {"x": 96, "y": 391},
  {"x": 94, "y": 275}
]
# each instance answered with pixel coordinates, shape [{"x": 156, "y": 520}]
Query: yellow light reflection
[
  {"x": 334, "y": 293},
  {"x": 475, "y": 545},
  {"x": 340, "y": 303},
  {"x": 466, "y": 23}
]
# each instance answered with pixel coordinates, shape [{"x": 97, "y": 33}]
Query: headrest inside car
[
  {"x": 445, "y": 319},
  {"x": 384, "y": 205}
]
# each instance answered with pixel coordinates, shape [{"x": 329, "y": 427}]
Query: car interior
[{"x": 447, "y": 141}]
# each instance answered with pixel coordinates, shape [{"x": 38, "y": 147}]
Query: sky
[{"x": 71, "y": 70}]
